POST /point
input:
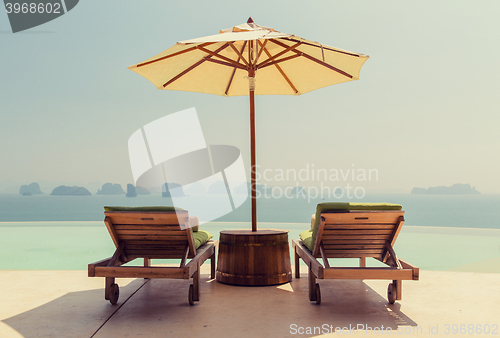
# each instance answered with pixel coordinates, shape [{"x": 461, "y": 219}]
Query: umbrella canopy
[{"x": 249, "y": 59}]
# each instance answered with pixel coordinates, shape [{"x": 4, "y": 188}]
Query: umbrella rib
[
  {"x": 232, "y": 65},
  {"x": 280, "y": 60},
  {"x": 324, "y": 47},
  {"x": 281, "y": 71},
  {"x": 279, "y": 54},
  {"x": 187, "y": 70},
  {"x": 172, "y": 55},
  {"x": 307, "y": 56},
  {"x": 184, "y": 72},
  {"x": 240, "y": 56},
  {"x": 234, "y": 70},
  {"x": 260, "y": 51},
  {"x": 237, "y": 64}
]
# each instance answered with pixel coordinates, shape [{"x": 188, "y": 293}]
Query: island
[
  {"x": 31, "y": 189},
  {"x": 111, "y": 189},
  {"x": 167, "y": 187},
  {"x": 63, "y": 190},
  {"x": 455, "y": 189},
  {"x": 131, "y": 192}
]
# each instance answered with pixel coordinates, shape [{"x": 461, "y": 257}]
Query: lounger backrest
[
  {"x": 355, "y": 234},
  {"x": 150, "y": 234}
]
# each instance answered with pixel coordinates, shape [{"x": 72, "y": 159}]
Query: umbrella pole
[{"x": 253, "y": 167}]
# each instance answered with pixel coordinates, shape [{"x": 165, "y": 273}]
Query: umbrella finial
[{"x": 250, "y": 20}]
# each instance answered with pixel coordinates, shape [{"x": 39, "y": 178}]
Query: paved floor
[{"x": 69, "y": 304}]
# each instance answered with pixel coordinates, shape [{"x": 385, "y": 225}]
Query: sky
[{"x": 425, "y": 111}]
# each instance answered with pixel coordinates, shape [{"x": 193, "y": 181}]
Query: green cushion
[
  {"x": 343, "y": 206},
  {"x": 201, "y": 237},
  {"x": 156, "y": 208},
  {"x": 306, "y": 237}
]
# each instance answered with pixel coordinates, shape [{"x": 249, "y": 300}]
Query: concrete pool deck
[{"x": 48, "y": 303}]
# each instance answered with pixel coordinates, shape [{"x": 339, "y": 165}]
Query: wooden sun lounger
[
  {"x": 152, "y": 235},
  {"x": 356, "y": 234}
]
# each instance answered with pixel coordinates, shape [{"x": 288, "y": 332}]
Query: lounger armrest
[
  {"x": 203, "y": 253},
  {"x": 306, "y": 255},
  {"x": 102, "y": 262},
  {"x": 407, "y": 265}
]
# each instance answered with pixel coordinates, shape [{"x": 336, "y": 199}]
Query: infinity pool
[{"x": 73, "y": 245}]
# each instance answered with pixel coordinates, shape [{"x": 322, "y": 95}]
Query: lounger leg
[
  {"x": 362, "y": 262},
  {"x": 107, "y": 287},
  {"x": 196, "y": 283},
  {"x": 297, "y": 264},
  {"x": 399, "y": 289},
  {"x": 147, "y": 263},
  {"x": 312, "y": 285},
  {"x": 212, "y": 266}
]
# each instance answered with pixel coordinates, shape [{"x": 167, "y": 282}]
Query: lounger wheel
[
  {"x": 318, "y": 294},
  {"x": 191, "y": 295},
  {"x": 391, "y": 293},
  {"x": 114, "y": 293}
]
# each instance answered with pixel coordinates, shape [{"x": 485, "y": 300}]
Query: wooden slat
[
  {"x": 141, "y": 272},
  {"x": 153, "y": 232},
  {"x": 355, "y": 241},
  {"x": 156, "y": 252},
  {"x": 151, "y": 241},
  {"x": 172, "y": 227},
  {"x": 384, "y": 217},
  {"x": 372, "y": 226},
  {"x": 330, "y": 251},
  {"x": 357, "y": 232},
  {"x": 131, "y": 217},
  {"x": 353, "y": 246},
  {"x": 365, "y": 237},
  {"x": 157, "y": 247},
  {"x": 368, "y": 273},
  {"x": 149, "y": 237}
]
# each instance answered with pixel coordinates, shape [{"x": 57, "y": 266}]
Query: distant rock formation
[
  {"x": 111, "y": 189},
  {"x": 167, "y": 188},
  {"x": 131, "y": 191},
  {"x": 63, "y": 190},
  {"x": 32, "y": 189},
  {"x": 142, "y": 191},
  {"x": 455, "y": 189},
  {"x": 418, "y": 191}
]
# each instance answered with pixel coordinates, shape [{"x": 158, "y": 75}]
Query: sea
[
  {"x": 441, "y": 232},
  {"x": 462, "y": 211}
]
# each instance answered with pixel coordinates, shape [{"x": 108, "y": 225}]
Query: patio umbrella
[{"x": 249, "y": 59}]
